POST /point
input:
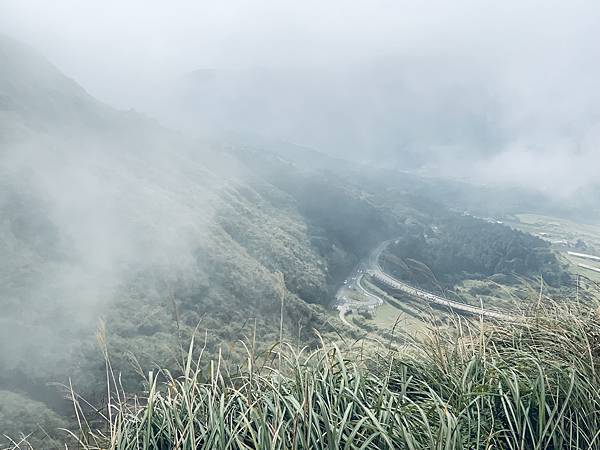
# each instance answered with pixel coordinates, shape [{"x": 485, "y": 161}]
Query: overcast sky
[
  {"x": 542, "y": 58},
  {"x": 105, "y": 44}
]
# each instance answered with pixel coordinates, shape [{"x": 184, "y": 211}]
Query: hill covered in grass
[
  {"x": 107, "y": 215},
  {"x": 527, "y": 385}
]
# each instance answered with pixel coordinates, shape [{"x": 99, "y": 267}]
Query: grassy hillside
[
  {"x": 529, "y": 385},
  {"x": 106, "y": 215}
]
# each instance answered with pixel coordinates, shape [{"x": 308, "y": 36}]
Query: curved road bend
[{"x": 373, "y": 268}]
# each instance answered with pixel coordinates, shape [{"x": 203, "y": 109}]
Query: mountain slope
[
  {"x": 106, "y": 215},
  {"x": 116, "y": 228}
]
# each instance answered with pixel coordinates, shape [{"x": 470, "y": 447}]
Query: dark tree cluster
[{"x": 460, "y": 247}]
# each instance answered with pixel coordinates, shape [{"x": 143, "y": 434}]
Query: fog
[
  {"x": 495, "y": 91},
  {"x": 82, "y": 222},
  {"x": 162, "y": 163}
]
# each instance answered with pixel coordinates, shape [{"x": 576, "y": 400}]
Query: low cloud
[{"x": 501, "y": 91}]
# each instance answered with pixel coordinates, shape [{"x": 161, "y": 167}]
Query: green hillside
[
  {"x": 106, "y": 215},
  {"x": 118, "y": 231}
]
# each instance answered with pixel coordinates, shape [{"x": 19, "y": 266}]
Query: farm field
[{"x": 567, "y": 237}]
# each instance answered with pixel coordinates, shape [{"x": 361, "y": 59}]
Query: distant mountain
[
  {"x": 363, "y": 112},
  {"x": 437, "y": 119}
]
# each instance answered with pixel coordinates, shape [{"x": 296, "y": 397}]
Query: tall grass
[{"x": 529, "y": 385}]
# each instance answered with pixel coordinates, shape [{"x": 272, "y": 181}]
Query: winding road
[{"x": 347, "y": 301}]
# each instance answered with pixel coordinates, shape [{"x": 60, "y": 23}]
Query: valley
[
  {"x": 354, "y": 297},
  {"x": 138, "y": 261},
  {"x": 371, "y": 297}
]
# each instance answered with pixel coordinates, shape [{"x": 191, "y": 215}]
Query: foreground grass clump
[{"x": 531, "y": 385}]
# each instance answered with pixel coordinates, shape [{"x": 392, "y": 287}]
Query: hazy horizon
[{"x": 499, "y": 92}]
